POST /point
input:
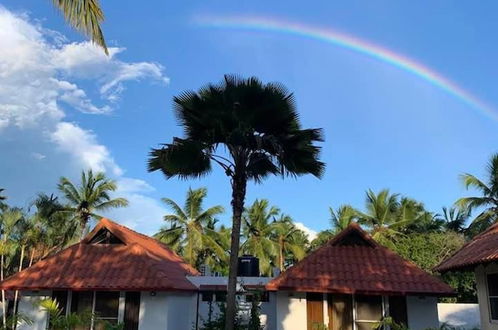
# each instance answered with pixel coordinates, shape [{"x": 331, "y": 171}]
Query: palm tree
[
  {"x": 257, "y": 228},
  {"x": 488, "y": 199},
  {"x": 3, "y": 205},
  {"x": 343, "y": 217},
  {"x": 191, "y": 229},
  {"x": 455, "y": 218},
  {"x": 289, "y": 241},
  {"x": 323, "y": 237},
  {"x": 9, "y": 221},
  {"x": 86, "y": 17},
  {"x": 258, "y": 126},
  {"x": 385, "y": 215},
  {"x": 90, "y": 196}
]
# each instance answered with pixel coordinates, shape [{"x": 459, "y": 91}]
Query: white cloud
[
  {"x": 43, "y": 77},
  {"x": 83, "y": 146},
  {"x": 312, "y": 234}
]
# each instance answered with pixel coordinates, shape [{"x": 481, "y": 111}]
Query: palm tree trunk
[
  {"x": 239, "y": 184},
  {"x": 16, "y": 295},
  {"x": 32, "y": 257},
  {"x": 281, "y": 254},
  {"x": 4, "y": 310}
]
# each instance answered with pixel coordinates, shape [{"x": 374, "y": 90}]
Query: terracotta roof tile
[
  {"x": 363, "y": 268},
  {"x": 482, "y": 249},
  {"x": 141, "y": 263}
]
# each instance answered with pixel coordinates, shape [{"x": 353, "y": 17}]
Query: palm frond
[{"x": 85, "y": 16}]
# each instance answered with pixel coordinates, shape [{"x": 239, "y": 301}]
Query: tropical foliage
[
  {"x": 258, "y": 127},
  {"x": 487, "y": 201},
  {"x": 90, "y": 196},
  {"x": 191, "y": 230},
  {"x": 85, "y": 16}
]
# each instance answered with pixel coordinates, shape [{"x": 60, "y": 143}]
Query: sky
[{"x": 405, "y": 92}]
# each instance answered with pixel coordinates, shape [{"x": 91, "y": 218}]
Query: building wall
[
  {"x": 482, "y": 296},
  {"x": 291, "y": 311},
  {"x": 459, "y": 315},
  {"x": 422, "y": 312},
  {"x": 167, "y": 311},
  {"x": 28, "y": 305}
]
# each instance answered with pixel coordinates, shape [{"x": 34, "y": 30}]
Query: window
[
  {"x": 492, "y": 280},
  {"x": 207, "y": 296},
  {"x": 107, "y": 306},
  {"x": 220, "y": 296},
  {"x": 104, "y": 304},
  {"x": 61, "y": 298},
  {"x": 263, "y": 296},
  {"x": 368, "y": 311}
]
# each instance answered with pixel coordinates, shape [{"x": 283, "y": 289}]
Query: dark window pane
[
  {"x": 61, "y": 298},
  {"x": 493, "y": 284},
  {"x": 493, "y": 303},
  {"x": 82, "y": 301},
  {"x": 397, "y": 309},
  {"x": 221, "y": 296},
  {"x": 207, "y": 296},
  {"x": 107, "y": 304},
  {"x": 369, "y": 308}
]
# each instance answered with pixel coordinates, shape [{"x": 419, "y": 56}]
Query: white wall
[
  {"x": 464, "y": 316},
  {"x": 181, "y": 310},
  {"x": 167, "y": 311},
  {"x": 482, "y": 296},
  {"x": 422, "y": 312},
  {"x": 153, "y": 311},
  {"x": 28, "y": 305},
  {"x": 291, "y": 311}
]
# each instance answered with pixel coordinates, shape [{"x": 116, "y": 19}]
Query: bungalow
[
  {"x": 121, "y": 275},
  {"x": 480, "y": 256},
  {"x": 126, "y": 277},
  {"x": 352, "y": 282}
]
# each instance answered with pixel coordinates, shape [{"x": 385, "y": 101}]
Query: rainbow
[{"x": 352, "y": 43}]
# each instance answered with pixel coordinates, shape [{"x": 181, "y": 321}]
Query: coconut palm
[
  {"x": 3, "y": 205},
  {"x": 323, "y": 237},
  {"x": 386, "y": 215},
  {"x": 257, "y": 229},
  {"x": 86, "y": 17},
  {"x": 289, "y": 241},
  {"x": 248, "y": 128},
  {"x": 90, "y": 196},
  {"x": 343, "y": 217},
  {"x": 488, "y": 199},
  {"x": 9, "y": 220},
  {"x": 455, "y": 218},
  {"x": 191, "y": 228},
  {"x": 52, "y": 227}
]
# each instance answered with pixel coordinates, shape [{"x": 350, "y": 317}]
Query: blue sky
[{"x": 384, "y": 127}]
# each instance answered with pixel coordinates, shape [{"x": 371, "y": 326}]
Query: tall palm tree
[
  {"x": 455, "y": 218},
  {"x": 86, "y": 17},
  {"x": 90, "y": 196},
  {"x": 257, "y": 229},
  {"x": 323, "y": 237},
  {"x": 3, "y": 205},
  {"x": 251, "y": 130},
  {"x": 488, "y": 199},
  {"x": 191, "y": 229},
  {"x": 9, "y": 221},
  {"x": 289, "y": 241},
  {"x": 343, "y": 217},
  {"x": 385, "y": 215}
]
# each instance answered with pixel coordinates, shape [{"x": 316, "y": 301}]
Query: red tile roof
[
  {"x": 353, "y": 263},
  {"x": 141, "y": 263},
  {"x": 482, "y": 249}
]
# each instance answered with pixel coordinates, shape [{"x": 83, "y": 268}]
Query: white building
[
  {"x": 126, "y": 277},
  {"x": 480, "y": 256}
]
